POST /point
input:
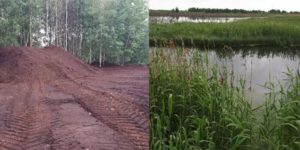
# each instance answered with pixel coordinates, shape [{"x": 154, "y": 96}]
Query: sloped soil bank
[{"x": 52, "y": 100}]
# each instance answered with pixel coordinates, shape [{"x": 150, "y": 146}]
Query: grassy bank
[
  {"x": 270, "y": 31},
  {"x": 193, "y": 108}
]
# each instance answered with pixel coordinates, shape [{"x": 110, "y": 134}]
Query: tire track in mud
[
  {"x": 115, "y": 110},
  {"x": 134, "y": 90},
  {"x": 83, "y": 132},
  {"x": 123, "y": 124},
  {"x": 34, "y": 120},
  {"x": 44, "y": 107},
  {"x": 25, "y": 128}
]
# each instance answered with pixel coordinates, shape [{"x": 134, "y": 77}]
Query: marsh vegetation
[
  {"x": 225, "y": 85},
  {"x": 267, "y": 31},
  {"x": 193, "y": 107}
]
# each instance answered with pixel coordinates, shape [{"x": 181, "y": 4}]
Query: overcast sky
[{"x": 288, "y": 5}]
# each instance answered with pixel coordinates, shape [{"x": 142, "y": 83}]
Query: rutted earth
[{"x": 50, "y": 100}]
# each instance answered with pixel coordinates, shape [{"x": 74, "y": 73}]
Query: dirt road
[{"x": 51, "y": 100}]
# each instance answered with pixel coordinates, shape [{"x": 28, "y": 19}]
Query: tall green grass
[
  {"x": 269, "y": 31},
  {"x": 193, "y": 107}
]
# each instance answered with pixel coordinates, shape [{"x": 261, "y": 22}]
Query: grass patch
[
  {"x": 193, "y": 108},
  {"x": 269, "y": 31}
]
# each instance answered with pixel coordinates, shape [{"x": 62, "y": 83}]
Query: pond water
[
  {"x": 257, "y": 69},
  {"x": 256, "y": 66},
  {"x": 169, "y": 20}
]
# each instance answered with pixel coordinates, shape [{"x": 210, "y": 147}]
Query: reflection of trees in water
[{"x": 228, "y": 52}]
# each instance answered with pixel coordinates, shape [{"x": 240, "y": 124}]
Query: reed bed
[
  {"x": 193, "y": 107},
  {"x": 269, "y": 31}
]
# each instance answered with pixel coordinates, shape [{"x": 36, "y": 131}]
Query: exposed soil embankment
[{"x": 52, "y": 100}]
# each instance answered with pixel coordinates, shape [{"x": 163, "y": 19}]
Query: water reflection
[
  {"x": 169, "y": 19},
  {"x": 256, "y": 66}
]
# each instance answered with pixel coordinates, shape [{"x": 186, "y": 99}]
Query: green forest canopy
[{"x": 110, "y": 31}]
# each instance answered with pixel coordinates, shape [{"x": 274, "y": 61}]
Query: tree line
[
  {"x": 226, "y": 10},
  {"x": 111, "y": 31}
]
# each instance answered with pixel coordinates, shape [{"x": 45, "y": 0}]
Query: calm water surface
[
  {"x": 256, "y": 66},
  {"x": 256, "y": 69}
]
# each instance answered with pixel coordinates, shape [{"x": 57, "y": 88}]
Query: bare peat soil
[{"x": 52, "y": 100}]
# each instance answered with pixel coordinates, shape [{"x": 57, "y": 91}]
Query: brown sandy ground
[{"x": 50, "y": 100}]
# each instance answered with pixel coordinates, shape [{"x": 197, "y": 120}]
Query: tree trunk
[
  {"x": 103, "y": 60},
  {"x": 126, "y": 41},
  {"x": 46, "y": 20},
  {"x": 66, "y": 27},
  {"x": 50, "y": 35},
  {"x": 100, "y": 52},
  {"x": 100, "y": 59},
  {"x": 29, "y": 25},
  {"x": 80, "y": 29},
  {"x": 124, "y": 49},
  {"x": 56, "y": 18},
  {"x": 80, "y": 41},
  {"x": 90, "y": 60}
]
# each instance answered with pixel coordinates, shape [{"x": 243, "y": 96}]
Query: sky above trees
[{"x": 288, "y": 5}]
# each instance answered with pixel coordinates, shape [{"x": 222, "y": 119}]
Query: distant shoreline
[{"x": 190, "y": 14}]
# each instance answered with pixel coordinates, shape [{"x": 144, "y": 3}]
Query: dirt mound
[
  {"x": 51, "y": 100},
  {"x": 17, "y": 64}
]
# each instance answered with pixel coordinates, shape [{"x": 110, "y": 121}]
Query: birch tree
[{"x": 106, "y": 31}]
